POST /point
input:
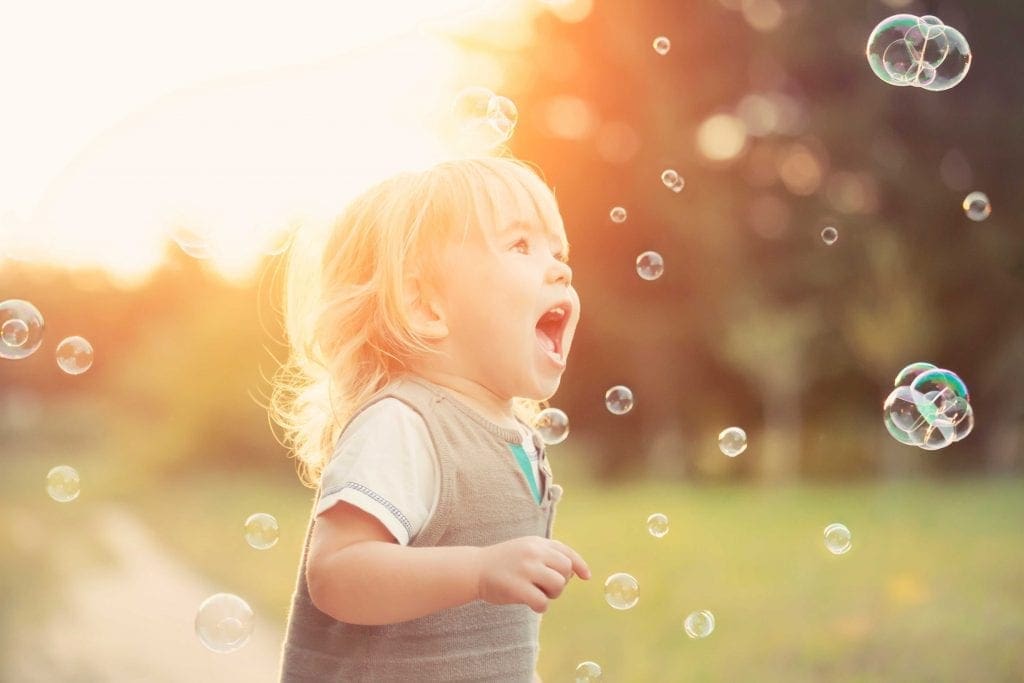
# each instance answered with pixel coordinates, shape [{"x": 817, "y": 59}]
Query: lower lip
[{"x": 551, "y": 356}]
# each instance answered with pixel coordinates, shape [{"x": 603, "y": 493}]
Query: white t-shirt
[{"x": 387, "y": 467}]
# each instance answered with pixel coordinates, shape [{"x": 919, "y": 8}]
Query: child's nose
[{"x": 560, "y": 272}]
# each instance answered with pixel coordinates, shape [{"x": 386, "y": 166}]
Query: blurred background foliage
[{"x": 754, "y": 323}]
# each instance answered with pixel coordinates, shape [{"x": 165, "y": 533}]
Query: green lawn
[{"x": 933, "y": 588}]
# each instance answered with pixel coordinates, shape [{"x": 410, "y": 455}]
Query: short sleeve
[{"x": 385, "y": 465}]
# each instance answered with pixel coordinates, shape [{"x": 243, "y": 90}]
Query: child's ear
[{"x": 424, "y": 309}]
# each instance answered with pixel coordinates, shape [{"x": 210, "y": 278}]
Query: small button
[{"x": 555, "y": 493}]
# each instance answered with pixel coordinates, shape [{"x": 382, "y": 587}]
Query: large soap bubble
[
  {"x": 905, "y": 49},
  {"x": 928, "y": 408}
]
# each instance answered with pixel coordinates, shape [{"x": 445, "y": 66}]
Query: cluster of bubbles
[
  {"x": 618, "y": 400},
  {"x": 224, "y": 622},
  {"x": 650, "y": 265},
  {"x": 21, "y": 335},
  {"x": 621, "y": 591},
  {"x": 657, "y": 525},
  {"x": 672, "y": 180},
  {"x": 905, "y": 49},
  {"x": 261, "y": 531},
  {"x": 699, "y": 624},
  {"x": 732, "y": 441},
  {"x": 62, "y": 483},
  {"x": 977, "y": 206},
  {"x": 929, "y": 408},
  {"x": 483, "y": 119},
  {"x": 829, "y": 235},
  {"x": 838, "y": 540}
]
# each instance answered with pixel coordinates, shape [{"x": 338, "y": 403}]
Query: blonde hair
[{"x": 347, "y": 327}]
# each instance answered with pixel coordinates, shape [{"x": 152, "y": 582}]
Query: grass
[{"x": 932, "y": 590}]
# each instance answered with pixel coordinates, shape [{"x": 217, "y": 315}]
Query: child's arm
[{"x": 359, "y": 574}]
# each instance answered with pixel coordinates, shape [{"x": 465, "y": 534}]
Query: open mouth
[{"x": 550, "y": 329}]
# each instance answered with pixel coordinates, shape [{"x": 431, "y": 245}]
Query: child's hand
[{"x": 530, "y": 570}]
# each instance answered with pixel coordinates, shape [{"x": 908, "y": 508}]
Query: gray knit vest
[{"x": 484, "y": 499}]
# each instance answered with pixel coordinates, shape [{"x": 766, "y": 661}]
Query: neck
[{"x": 477, "y": 396}]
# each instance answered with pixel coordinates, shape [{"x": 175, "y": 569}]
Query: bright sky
[{"x": 124, "y": 119}]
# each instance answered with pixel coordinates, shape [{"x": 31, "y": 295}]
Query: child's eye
[{"x": 522, "y": 246}]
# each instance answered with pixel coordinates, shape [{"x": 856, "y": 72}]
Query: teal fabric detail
[{"x": 524, "y": 464}]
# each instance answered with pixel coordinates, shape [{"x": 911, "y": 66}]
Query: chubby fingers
[{"x": 577, "y": 564}]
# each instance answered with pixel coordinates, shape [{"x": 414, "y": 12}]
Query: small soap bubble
[
  {"x": 74, "y": 355},
  {"x": 261, "y": 531},
  {"x": 62, "y": 483},
  {"x": 224, "y": 622},
  {"x": 732, "y": 441},
  {"x": 906, "y": 376},
  {"x": 662, "y": 45},
  {"x": 621, "y": 591},
  {"x": 677, "y": 186},
  {"x": 829, "y": 235},
  {"x": 976, "y": 206},
  {"x": 618, "y": 214},
  {"x": 21, "y": 329},
  {"x": 14, "y": 332},
  {"x": 650, "y": 265},
  {"x": 503, "y": 115},
  {"x": 669, "y": 178},
  {"x": 657, "y": 525},
  {"x": 483, "y": 119},
  {"x": 699, "y": 624},
  {"x": 837, "y": 539},
  {"x": 587, "y": 671},
  {"x": 618, "y": 400},
  {"x": 945, "y": 384},
  {"x": 553, "y": 426}
]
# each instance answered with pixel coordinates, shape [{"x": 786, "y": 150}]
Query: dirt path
[{"x": 132, "y": 620}]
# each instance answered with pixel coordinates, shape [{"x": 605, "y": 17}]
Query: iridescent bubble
[
  {"x": 621, "y": 591},
  {"x": 14, "y": 332},
  {"x": 732, "y": 441},
  {"x": 617, "y": 214},
  {"x": 619, "y": 400},
  {"x": 21, "y": 329},
  {"x": 955, "y": 63},
  {"x": 829, "y": 235},
  {"x": 900, "y": 409},
  {"x": 945, "y": 384},
  {"x": 976, "y": 206},
  {"x": 920, "y": 51},
  {"x": 662, "y": 45},
  {"x": 906, "y": 376},
  {"x": 669, "y": 178},
  {"x": 553, "y": 426},
  {"x": 838, "y": 539},
  {"x": 62, "y": 483},
  {"x": 657, "y": 525},
  {"x": 650, "y": 265},
  {"x": 261, "y": 531},
  {"x": 224, "y": 622},
  {"x": 74, "y": 355},
  {"x": 699, "y": 624},
  {"x": 587, "y": 671}
]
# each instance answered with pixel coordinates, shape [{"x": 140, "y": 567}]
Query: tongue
[{"x": 547, "y": 342}]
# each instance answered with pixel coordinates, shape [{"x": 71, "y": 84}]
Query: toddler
[{"x": 425, "y": 329}]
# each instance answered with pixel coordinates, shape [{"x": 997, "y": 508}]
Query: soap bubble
[
  {"x": 14, "y": 332},
  {"x": 587, "y": 671},
  {"x": 906, "y": 376},
  {"x": 907, "y": 50},
  {"x": 677, "y": 186},
  {"x": 829, "y": 235},
  {"x": 261, "y": 531},
  {"x": 553, "y": 426},
  {"x": 946, "y": 385},
  {"x": 657, "y": 525},
  {"x": 74, "y": 355},
  {"x": 669, "y": 178},
  {"x": 838, "y": 539},
  {"x": 617, "y": 214},
  {"x": 21, "y": 329},
  {"x": 901, "y": 415},
  {"x": 224, "y": 622},
  {"x": 929, "y": 407},
  {"x": 619, "y": 400},
  {"x": 976, "y": 206},
  {"x": 650, "y": 265},
  {"x": 662, "y": 45},
  {"x": 483, "y": 119},
  {"x": 732, "y": 441},
  {"x": 621, "y": 591},
  {"x": 699, "y": 624},
  {"x": 62, "y": 483}
]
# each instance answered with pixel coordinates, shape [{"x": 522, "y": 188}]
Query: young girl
[{"x": 424, "y": 330}]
